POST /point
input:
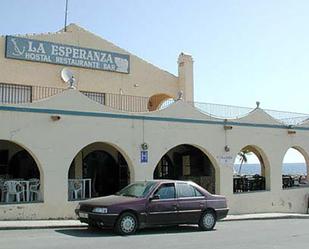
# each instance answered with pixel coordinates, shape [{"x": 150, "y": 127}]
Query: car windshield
[{"x": 138, "y": 189}]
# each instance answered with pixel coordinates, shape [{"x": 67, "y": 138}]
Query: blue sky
[{"x": 243, "y": 50}]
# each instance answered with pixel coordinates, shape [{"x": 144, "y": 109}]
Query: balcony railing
[{"x": 18, "y": 94}]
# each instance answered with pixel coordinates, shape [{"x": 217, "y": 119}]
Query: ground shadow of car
[{"x": 85, "y": 232}]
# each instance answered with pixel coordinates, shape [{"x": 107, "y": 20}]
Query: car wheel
[
  {"x": 126, "y": 224},
  {"x": 208, "y": 220}
]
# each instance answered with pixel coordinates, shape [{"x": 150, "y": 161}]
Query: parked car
[{"x": 154, "y": 203}]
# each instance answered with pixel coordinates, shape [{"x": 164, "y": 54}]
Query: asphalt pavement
[
  {"x": 33, "y": 224},
  {"x": 253, "y": 234}
]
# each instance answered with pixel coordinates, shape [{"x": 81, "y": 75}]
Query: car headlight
[{"x": 100, "y": 210}]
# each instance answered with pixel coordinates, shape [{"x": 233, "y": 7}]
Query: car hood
[{"x": 109, "y": 200}]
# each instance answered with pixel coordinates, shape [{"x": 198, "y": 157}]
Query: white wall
[{"x": 54, "y": 144}]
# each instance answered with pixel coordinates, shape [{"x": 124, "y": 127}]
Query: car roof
[{"x": 166, "y": 181}]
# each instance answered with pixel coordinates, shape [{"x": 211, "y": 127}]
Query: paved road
[{"x": 290, "y": 233}]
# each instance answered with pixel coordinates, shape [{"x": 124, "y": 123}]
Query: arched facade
[
  {"x": 254, "y": 176},
  {"x": 21, "y": 176},
  {"x": 187, "y": 162},
  {"x": 98, "y": 169},
  {"x": 155, "y": 101},
  {"x": 295, "y": 168}
]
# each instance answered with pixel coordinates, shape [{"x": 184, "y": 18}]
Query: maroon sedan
[{"x": 154, "y": 203}]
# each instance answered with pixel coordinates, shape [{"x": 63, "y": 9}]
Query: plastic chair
[
  {"x": 76, "y": 188},
  {"x": 2, "y": 189},
  {"x": 34, "y": 188},
  {"x": 13, "y": 188}
]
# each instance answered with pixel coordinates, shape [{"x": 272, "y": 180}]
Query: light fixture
[
  {"x": 227, "y": 148},
  {"x": 144, "y": 146},
  {"x": 180, "y": 95},
  {"x": 55, "y": 117},
  {"x": 291, "y": 132},
  {"x": 228, "y": 127}
]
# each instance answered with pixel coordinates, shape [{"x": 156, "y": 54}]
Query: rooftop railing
[{"x": 19, "y": 94}]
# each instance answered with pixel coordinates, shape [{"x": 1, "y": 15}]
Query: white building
[{"x": 127, "y": 120}]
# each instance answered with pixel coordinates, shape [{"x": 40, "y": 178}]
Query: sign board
[
  {"x": 226, "y": 160},
  {"x": 55, "y": 53},
  {"x": 144, "y": 156}
]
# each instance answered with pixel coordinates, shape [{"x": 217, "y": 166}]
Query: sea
[{"x": 287, "y": 169}]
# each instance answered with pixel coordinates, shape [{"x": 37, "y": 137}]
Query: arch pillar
[{"x": 225, "y": 180}]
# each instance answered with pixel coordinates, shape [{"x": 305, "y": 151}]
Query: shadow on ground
[{"x": 85, "y": 232}]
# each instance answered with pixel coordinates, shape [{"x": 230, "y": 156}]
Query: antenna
[
  {"x": 66, "y": 15},
  {"x": 68, "y": 77}
]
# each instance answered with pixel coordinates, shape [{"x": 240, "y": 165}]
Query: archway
[
  {"x": 20, "y": 178},
  {"x": 295, "y": 168},
  {"x": 159, "y": 101},
  {"x": 99, "y": 169},
  {"x": 251, "y": 170},
  {"x": 187, "y": 162}
]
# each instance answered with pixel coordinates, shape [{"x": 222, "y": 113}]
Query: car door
[
  {"x": 190, "y": 203},
  {"x": 163, "y": 207}
]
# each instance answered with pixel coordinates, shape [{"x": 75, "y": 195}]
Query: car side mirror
[{"x": 154, "y": 197}]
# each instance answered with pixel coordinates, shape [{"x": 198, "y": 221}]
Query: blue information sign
[
  {"x": 55, "y": 53},
  {"x": 144, "y": 156}
]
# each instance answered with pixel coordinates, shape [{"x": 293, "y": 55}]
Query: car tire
[
  {"x": 126, "y": 224},
  {"x": 208, "y": 220}
]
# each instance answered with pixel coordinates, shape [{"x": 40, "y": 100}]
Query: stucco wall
[{"x": 54, "y": 144}]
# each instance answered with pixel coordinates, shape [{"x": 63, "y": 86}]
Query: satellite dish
[{"x": 68, "y": 77}]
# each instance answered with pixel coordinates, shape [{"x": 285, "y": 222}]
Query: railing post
[{"x": 31, "y": 94}]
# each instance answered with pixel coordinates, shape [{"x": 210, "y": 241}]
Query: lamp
[
  {"x": 227, "y": 148},
  {"x": 291, "y": 132},
  {"x": 55, "y": 117},
  {"x": 228, "y": 127}
]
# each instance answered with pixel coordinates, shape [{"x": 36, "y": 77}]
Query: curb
[
  {"x": 40, "y": 227},
  {"x": 287, "y": 217}
]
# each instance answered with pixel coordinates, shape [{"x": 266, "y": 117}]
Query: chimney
[{"x": 185, "y": 76}]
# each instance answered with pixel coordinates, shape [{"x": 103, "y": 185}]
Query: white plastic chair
[
  {"x": 13, "y": 188},
  {"x": 34, "y": 188},
  {"x": 75, "y": 188},
  {"x": 2, "y": 190}
]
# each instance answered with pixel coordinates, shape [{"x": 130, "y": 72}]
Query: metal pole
[{"x": 66, "y": 15}]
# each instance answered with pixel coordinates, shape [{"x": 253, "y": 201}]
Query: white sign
[{"x": 226, "y": 160}]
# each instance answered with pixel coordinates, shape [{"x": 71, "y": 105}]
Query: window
[
  {"x": 197, "y": 192},
  {"x": 186, "y": 166},
  {"x": 186, "y": 190},
  {"x": 166, "y": 191},
  {"x": 138, "y": 189}
]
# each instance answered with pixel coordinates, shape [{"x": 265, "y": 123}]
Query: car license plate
[{"x": 83, "y": 215}]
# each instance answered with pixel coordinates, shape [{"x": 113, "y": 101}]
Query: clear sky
[{"x": 243, "y": 50}]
